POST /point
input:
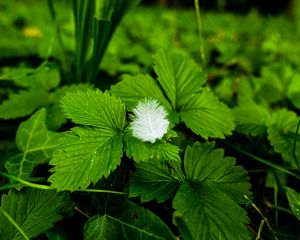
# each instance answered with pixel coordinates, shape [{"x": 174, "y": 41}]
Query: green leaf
[
  {"x": 35, "y": 142},
  {"x": 94, "y": 108},
  {"x": 179, "y": 76},
  {"x": 156, "y": 180},
  {"x": 45, "y": 78},
  {"x": 145, "y": 151},
  {"x": 23, "y": 103},
  {"x": 210, "y": 213},
  {"x": 281, "y": 134},
  {"x": 85, "y": 155},
  {"x": 294, "y": 201},
  {"x": 251, "y": 118},
  {"x": 136, "y": 88},
  {"x": 293, "y": 91},
  {"x": 35, "y": 211},
  {"x": 205, "y": 115},
  {"x": 134, "y": 223}
]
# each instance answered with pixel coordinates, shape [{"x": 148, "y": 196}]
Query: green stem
[
  {"x": 12, "y": 221},
  {"x": 266, "y": 162},
  {"x": 46, "y": 187},
  {"x": 199, "y": 28}
]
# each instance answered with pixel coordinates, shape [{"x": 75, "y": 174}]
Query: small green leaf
[
  {"x": 133, "y": 89},
  {"x": 134, "y": 223},
  {"x": 205, "y": 115},
  {"x": 156, "y": 180},
  {"x": 35, "y": 211},
  {"x": 94, "y": 108},
  {"x": 85, "y": 155},
  {"x": 179, "y": 76},
  {"x": 23, "y": 103},
  {"x": 35, "y": 142},
  {"x": 294, "y": 201},
  {"x": 145, "y": 151},
  {"x": 281, "y": 134}
]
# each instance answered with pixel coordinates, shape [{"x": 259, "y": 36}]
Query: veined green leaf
[
  {"x": 205, "y": 115},
  {"x": 94, "y": 108},
  {"x": 179, "y": 76},
  {"x": 35, "y": 142},
  {"x": 84, "y": 156},
  {"x": 281, "y": 134},
  {"x": 294, "y": 201},
  {"x": 35, "y": 211},
  {"x": 134, "y": 222},
  {"x": 136, "y": 88},
  {"x": 23, "y": 103}
]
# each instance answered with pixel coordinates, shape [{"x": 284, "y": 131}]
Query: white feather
[{"x": 150, "y": 121}]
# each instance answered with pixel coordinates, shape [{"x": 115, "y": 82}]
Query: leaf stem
[
  {"x": 294, "y": 146},
  {"x": 199, "y": 28},
  {"x": 12, "y": 221},
  {"x": 46, "y": 187}
]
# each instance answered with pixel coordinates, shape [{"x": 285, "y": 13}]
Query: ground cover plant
[{"x": 152, "y": 123}]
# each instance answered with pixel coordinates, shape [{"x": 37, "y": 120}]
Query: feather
[{"x": 150, "y": 121}]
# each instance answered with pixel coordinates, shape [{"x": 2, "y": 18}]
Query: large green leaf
[
  {"x": 136, "y": 88},
  {"x": 210, "y": 213},
  {"x": 205, "y": 115},
  {"x": 281, "y": 134},
  {"x": 179, "y": 76},
  {"x": 84, "y": 156},
  {"x": 35, "y": 142},
  {"x": 94, "y": 108},
  {"x": 35, "y": 211},
  {"x": 294, "y": 201},
  {"x": 210, "y": 182},
  {"x": 134, "y": 222},
  {"x": 156, "y": 180}
]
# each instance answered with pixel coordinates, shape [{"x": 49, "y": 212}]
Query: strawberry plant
[{"x": 139, "y": 135}]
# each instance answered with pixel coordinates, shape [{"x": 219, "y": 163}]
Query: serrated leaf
[
  {"x": 205, "y": 115},
  {"x": 84, "y": 156},
  {"x": 294, "y": 201},
  {"x": 251, "y": 118},
  {"x": 210, "y": 213},
  {"x": 23, "y": 103},
  {"x": 133, "y": 222},
  {"x": 179, "y": 76},
  {"x": 281, "y": 134},
  {"x": 145, "y": 151},
  {"x": 156, "y": 180},
  {"x": 94, "y": 108},
  {"x": 136, "y": 88},
  {"x": 35, "y": 142},
  {"x": 35, "y": 211}
]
